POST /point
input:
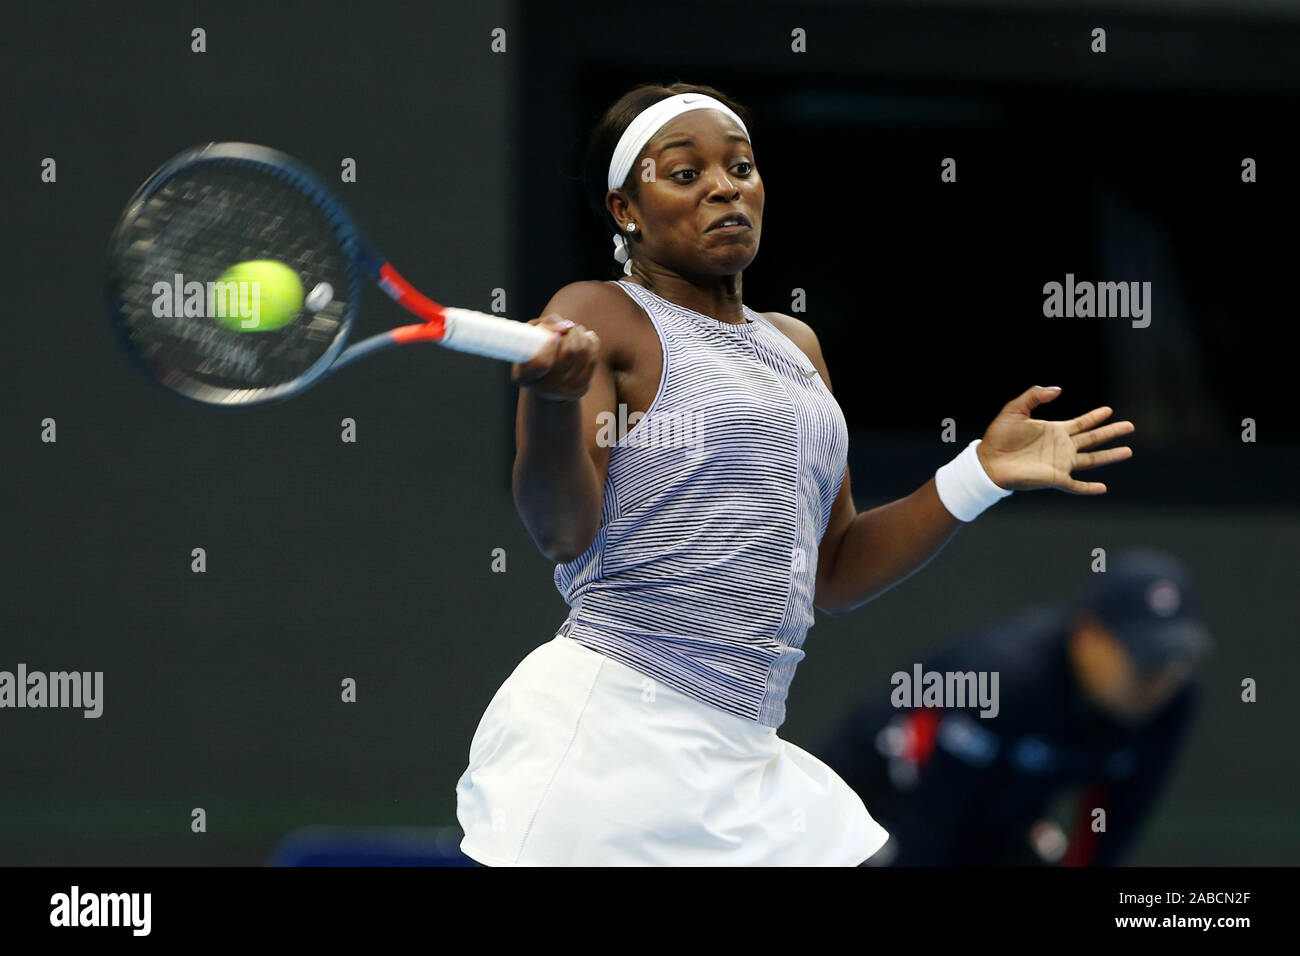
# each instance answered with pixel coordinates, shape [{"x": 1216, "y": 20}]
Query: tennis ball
[{"x": 265, "y": 295}]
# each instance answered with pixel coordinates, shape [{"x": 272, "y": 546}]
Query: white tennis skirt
[{"x": 580, "y": 760}]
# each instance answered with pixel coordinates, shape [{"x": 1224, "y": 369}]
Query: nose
[{"x": 723, "y": 189}]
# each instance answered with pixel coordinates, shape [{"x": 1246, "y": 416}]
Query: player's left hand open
[{"x": 1021, "y": 453}]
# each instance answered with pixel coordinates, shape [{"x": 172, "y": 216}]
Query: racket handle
[{"x": 492, "y": 336}]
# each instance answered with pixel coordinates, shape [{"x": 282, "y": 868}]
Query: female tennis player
[{"x": 682, "y": 460}]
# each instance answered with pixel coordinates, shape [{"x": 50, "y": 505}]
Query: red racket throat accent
[{"x": 409, "y": 298}]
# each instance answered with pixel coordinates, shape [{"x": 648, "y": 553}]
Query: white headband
[{"x": 652, "y": 120}]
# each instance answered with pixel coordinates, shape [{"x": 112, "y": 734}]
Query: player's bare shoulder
[
  {"x": 607, "y": 311},
  {"x": 801, "y": 334}
]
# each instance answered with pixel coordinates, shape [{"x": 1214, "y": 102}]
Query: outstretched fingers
[
  {"x": 1075, "y": 487},
  {"x": 1095, "y": 459},
  {"x": 1087, "y": 439},
  {"x": 1089, "y": 419}
]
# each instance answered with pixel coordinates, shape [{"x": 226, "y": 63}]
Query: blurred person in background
[{"x": 1094, "y": 701}]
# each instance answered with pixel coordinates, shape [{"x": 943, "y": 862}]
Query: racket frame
[{"x": 363, "y": 260}]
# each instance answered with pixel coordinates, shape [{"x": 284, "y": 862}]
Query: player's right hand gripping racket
[{"x": 218, "y": 206}]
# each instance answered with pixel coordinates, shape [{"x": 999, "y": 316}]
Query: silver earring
[{"x": 631, "y": 227}]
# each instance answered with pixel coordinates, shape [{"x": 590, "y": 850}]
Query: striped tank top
[{"x": 702, "y": 573}]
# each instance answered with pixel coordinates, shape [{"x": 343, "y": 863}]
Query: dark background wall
[{"x": 373, "y": 561}]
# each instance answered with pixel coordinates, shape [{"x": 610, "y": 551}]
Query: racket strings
[{"x": 175, "y": 245}]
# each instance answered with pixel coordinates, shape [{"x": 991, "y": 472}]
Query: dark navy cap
[{"x": 1145, "y": 598}]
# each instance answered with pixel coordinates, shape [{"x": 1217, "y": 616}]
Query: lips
[{"x": 730, "y": 220}]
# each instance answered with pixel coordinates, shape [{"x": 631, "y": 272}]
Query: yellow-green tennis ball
[{"x": 260, "y": 295}]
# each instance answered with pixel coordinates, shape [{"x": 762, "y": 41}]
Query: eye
[
  {"x": 744, "y": 167},
  {"x": 691, "y": 173}
]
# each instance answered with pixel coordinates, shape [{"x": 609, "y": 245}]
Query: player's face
[{"x": 703, "y": 173}]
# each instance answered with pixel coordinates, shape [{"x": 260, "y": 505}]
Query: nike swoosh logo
[{"x": 807, "y": 374}]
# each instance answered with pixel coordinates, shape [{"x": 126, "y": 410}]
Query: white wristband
[{"x": 964, "y": 486}]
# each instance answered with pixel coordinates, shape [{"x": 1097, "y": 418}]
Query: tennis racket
[{"x": 214, "y": 207}]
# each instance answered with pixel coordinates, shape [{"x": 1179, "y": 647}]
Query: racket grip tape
[{"x": 492, "y": 336}]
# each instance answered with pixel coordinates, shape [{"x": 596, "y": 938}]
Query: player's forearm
[
  {"x": 556, "y": 489},
  {"x": 884, "y": 546}
]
